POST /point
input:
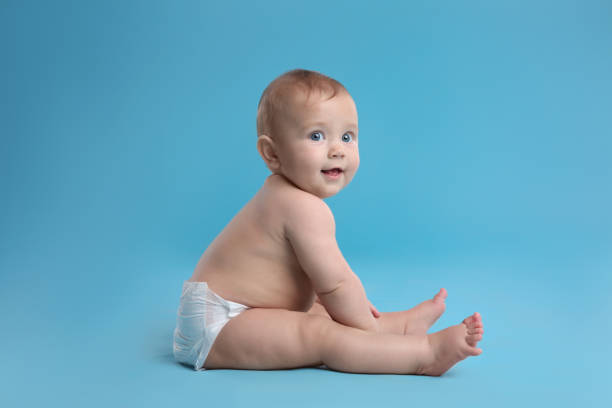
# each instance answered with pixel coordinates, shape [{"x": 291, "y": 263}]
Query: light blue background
[{"x": 128, "y": 143}]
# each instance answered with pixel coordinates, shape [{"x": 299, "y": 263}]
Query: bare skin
[
  {"x": 417, "y": 320},
  {"x": 244, "y": 279},
  {"x": 448, "y": 346},
  {"x": 420, "y": 318},
  {"x": 268, "y": 339},
  {"x": 252, "y": 262},
  {"x": 453, "y": 344}
]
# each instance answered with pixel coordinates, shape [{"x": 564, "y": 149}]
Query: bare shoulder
[
  {"x": 309, "y": 227},
  {"x": 300, "y": 209}
]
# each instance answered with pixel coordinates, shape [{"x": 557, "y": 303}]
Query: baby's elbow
[
  {"x": 330, "y": 289},
  {"x": 342, "y": 280}
]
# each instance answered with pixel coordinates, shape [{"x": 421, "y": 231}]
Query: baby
[{"x": 273, "y": 291}]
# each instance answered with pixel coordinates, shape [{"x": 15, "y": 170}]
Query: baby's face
[{"x": 317, "y": 135}]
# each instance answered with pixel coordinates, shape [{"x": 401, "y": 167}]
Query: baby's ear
[{"x": 267, "y": 150}]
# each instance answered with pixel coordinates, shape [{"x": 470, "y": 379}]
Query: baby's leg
[
  {"x": 264, "y": 339},
  {"x": 417, "y": 320}
]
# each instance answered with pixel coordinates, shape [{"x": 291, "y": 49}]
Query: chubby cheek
[
  {"x": 355, "y": 163},
  {"x": 311, "y": 162},
  {"x": 301, "y": 162}
]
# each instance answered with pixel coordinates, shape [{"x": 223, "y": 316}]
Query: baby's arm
[
  {"x": 310, "y": 228},
  {"x": 373, "y": 309}
]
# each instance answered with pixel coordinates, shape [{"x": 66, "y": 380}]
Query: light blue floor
[{"x": 105, "y": 339}]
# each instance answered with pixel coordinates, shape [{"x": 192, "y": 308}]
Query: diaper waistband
[{"x": 202, "y": 287}]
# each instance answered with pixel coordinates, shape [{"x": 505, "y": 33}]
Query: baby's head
[{"x": 307, "y": 123}]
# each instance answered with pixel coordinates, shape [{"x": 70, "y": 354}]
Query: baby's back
[{"x": 251, "y": 262}]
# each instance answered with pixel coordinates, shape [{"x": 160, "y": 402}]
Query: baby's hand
[{"x": 375, "y": 312}]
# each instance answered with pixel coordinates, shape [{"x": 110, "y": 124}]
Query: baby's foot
[
  {"x": 421, "y": 317},
  {"x": 453, "y": 344}
]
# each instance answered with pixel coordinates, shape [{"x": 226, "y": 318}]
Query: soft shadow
[
  {"x": 159, "y": 345},
  {"x": 166, "y": 358}
]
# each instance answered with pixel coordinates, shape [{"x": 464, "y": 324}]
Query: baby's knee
[{"x": 315, "y": 330}]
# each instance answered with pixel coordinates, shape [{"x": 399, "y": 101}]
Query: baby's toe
[
  {"x": 473, "y": 339},
  {"x": 473, "y": 321},
  {"x": 440, "y": 296},
  {"x": 475, "y": 330},
  {"x": 469, "y": 320}
]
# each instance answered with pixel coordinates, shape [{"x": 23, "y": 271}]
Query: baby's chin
[
  {"x": 318, "y": 187},
  {"x": 328, "y": 190}
]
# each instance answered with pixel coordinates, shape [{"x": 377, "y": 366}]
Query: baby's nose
[{"x": 336, "y": 151}]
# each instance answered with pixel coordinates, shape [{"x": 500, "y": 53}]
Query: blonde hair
[{"x": 278, "y": 94}]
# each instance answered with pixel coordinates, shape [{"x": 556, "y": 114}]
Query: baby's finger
[{"x": 375, "y": 312}]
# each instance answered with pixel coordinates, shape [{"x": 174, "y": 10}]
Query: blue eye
[
  {"x": 350, "y": 139},
  {"x": 315, "y": 133}
]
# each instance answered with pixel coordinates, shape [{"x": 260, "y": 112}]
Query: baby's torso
[{"x": 251, "y": 262}]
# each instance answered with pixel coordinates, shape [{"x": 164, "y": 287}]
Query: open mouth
[{"x": 332, "y": 172}]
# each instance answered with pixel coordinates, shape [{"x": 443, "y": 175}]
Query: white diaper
[{"x": 201, "y": 316}]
